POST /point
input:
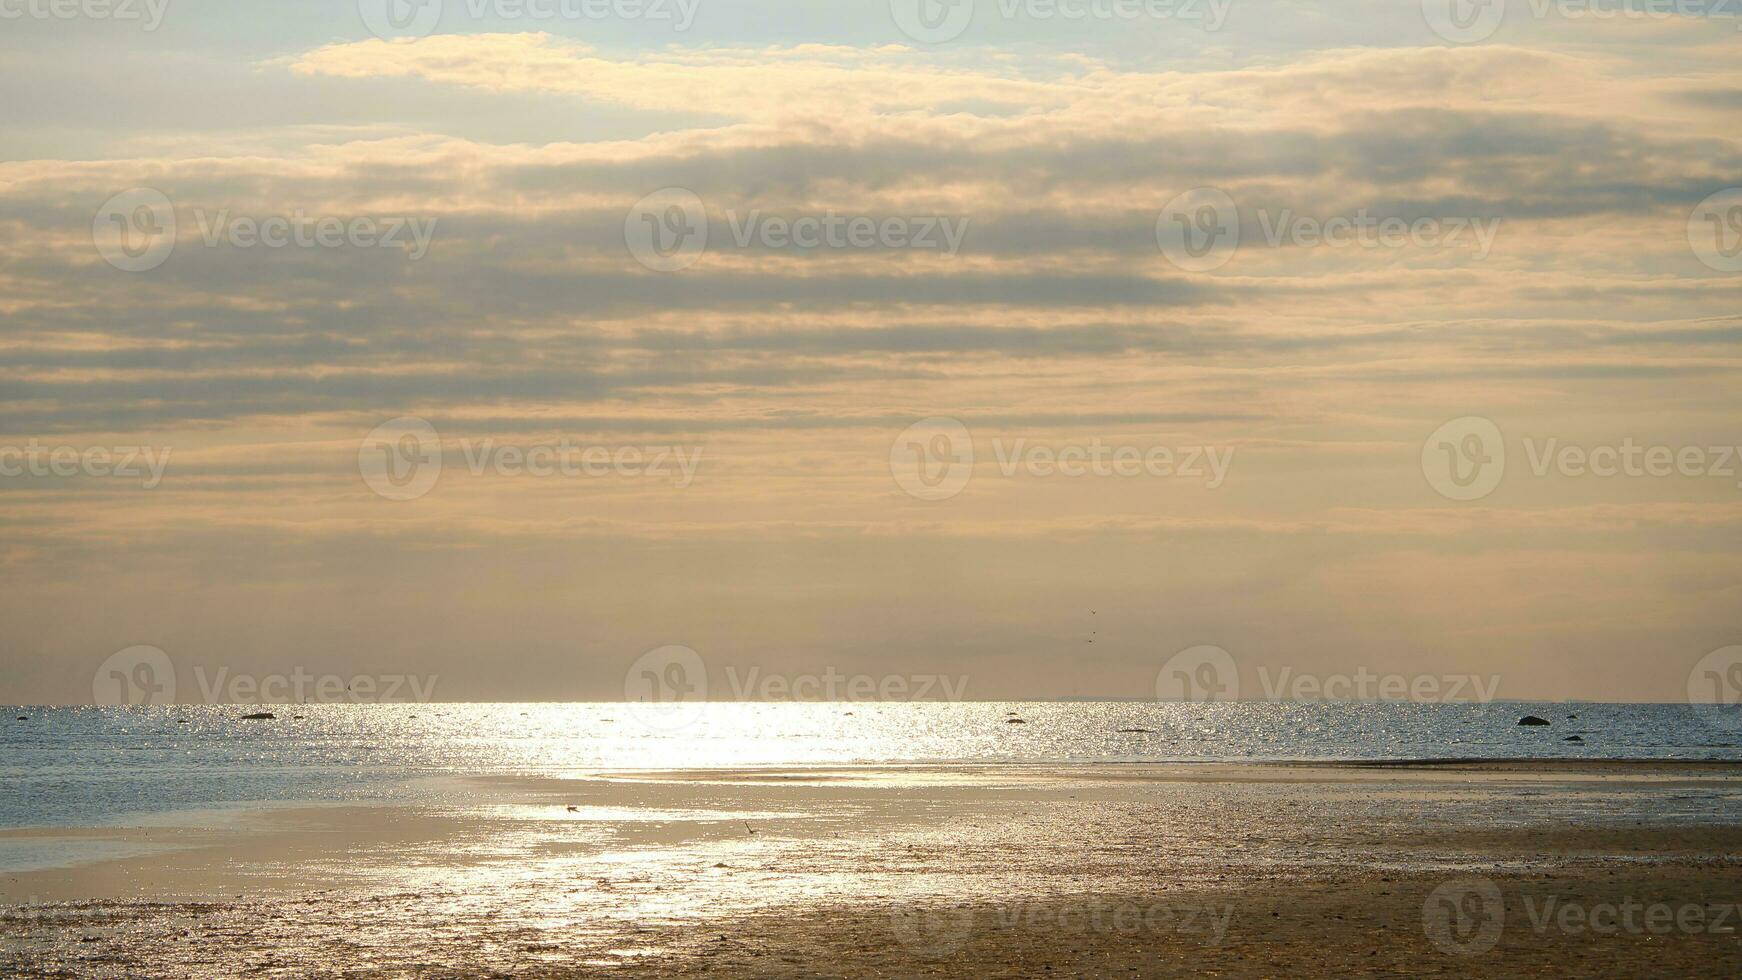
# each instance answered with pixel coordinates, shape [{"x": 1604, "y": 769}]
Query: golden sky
[{"x": 1563, "y": 168}]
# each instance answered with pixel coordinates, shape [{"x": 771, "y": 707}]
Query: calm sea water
[{"x": 91, "y": 766}]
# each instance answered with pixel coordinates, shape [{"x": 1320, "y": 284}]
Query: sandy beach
[{"x": 1448, "y": 869}]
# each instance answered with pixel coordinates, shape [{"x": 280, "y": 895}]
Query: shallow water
[
  {"x": 644, "y": 871},
  {"x": 90, "y": 766}
]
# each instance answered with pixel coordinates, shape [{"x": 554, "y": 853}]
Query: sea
[{"x": 100, "y": 766}]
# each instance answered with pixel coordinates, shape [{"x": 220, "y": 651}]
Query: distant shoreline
[{"x": 1006, "y": 701}]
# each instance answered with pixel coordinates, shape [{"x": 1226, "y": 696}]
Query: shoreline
[
  {"x": 965, "y": 871},
  {"x": 215, "y": 814},
  {"x": 161, "y": 835},
  {"x": 438, "y": 703},
  {"x": 225, "y": 811}
]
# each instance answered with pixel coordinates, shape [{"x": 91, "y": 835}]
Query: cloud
[{"x": 1059, "y": 321}]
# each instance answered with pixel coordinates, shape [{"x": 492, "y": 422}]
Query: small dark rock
[
  {"x": 260, "y": 716},
  {"x": 1573, "y": 738},
  {"x": 1138, "y": 731},
  {"x": 1014, "y": 721},
  {"x": 23, "y": 717},
  {"x": 1532, "y": 720}
]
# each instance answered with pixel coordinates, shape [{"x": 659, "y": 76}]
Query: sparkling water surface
[{"x": 87, "y": 766}]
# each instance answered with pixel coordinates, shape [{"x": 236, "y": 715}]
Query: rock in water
[
  {"x": 260, "y": 716},
  {"x": 1574, "y": 738},
  {"x": 1014, "y": 721},
  {"x": 1532, "y": 720}
]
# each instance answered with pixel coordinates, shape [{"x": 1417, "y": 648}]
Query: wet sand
[{"x": 1236, "y": 870}]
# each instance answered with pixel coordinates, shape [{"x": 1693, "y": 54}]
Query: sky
[{"x": 1021, "y": 341}]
